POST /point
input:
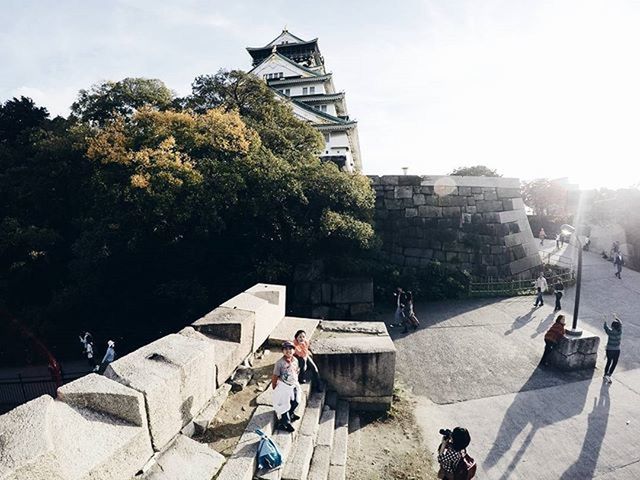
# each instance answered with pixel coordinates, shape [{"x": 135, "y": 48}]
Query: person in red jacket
[{"x": 552, "y": 337}]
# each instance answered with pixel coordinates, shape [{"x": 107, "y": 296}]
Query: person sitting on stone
[
  {"x": 305, "y": 361},
  {"x": 286, "y": 389},
  {"x": 551, "y": 339}
]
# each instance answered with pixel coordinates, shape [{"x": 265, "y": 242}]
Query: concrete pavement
[{"x": 473, "y": 363}]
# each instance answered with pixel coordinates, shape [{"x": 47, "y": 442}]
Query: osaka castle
[{"x": 295, "y": 71}]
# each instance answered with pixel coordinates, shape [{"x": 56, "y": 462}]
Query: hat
[
  {"x": 111, "y": 343},
  {"x": 287, "y": 344}
]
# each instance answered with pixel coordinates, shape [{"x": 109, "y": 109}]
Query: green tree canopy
[
  {"x": 106, "y": 101},
  {"x": 475, "y": 171}
]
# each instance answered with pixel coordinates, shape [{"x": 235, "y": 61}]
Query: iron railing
[{"x": 21, "y": 389}]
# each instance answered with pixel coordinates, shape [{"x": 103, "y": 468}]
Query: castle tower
[{"x": 295, "y": 71}]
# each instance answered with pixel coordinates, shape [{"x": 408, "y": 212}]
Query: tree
[
  {"x": 278, "y": 129},
  {"x": 545, "y": 197},
  {"x": 108, "y": 100},
  {"x": 475, "y": 171}
]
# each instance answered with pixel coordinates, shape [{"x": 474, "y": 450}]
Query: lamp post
[{"x": 570, "y": 230}]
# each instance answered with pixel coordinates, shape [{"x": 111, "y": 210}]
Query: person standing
[
  {"x": 618, "y": 261},
  {"x": 541, "y": 287},
  {"x": 551, "y": 339},
  {"x": 541, "y": 236},
  {"x": 89, "y": 352},
  {"x": 398, "y": 318},
  {"x": 450, "y": 451},
  {"x": 557, "y": 241},
  {"x": 558, "y": 290},
  {"x": 109, "y": 356},
  {"x": 613, "y": 346}
]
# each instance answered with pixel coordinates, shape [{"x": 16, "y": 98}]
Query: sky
[{"x": 539, "y": 88}]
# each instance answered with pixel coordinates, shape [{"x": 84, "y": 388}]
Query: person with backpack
[
  {"x": 613, "y": 346},
  {"x": 454, "y": 462}
]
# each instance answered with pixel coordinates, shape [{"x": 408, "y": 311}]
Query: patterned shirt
[
  {"x": 287, "y": 371},
  {"x": 449, "y": 459}
]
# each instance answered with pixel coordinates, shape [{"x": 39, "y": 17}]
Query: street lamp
[{"x": 569, "y": 230}]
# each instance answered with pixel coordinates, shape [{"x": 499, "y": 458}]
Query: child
[
  {"x": 551, "y": 338},
  {"x": 613, "y": 347},
  {"x": 305, "y": 362},
  {"x": 286, "y": 389}
]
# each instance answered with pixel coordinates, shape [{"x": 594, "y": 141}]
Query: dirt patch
[
  {"x": 389, "y": 447},
  {"x": 232, "y": 419}
]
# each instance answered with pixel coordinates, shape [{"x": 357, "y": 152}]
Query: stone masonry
[{"x": 473, "y": 223}]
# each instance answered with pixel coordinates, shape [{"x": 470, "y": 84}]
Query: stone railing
[{"x": 109, "y": 427}]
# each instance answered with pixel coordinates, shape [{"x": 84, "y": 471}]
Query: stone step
[
  {"x": 284, "y": 440},
  {"x": 242, "y": 463},
  {"x": 327, "y": 427},
  {"x": 297, "y": 465},
  {"x": 204, "y": 418},
  {"x": 320, "y": 463},
  {"x": 340, "y": 438}
]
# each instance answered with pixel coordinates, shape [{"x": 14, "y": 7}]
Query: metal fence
[
  {"x": 511, "y": 288},
  {"x": 21, "y": 389}
]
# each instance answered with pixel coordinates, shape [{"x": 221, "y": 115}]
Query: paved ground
[{"x": 473, "y": 363}]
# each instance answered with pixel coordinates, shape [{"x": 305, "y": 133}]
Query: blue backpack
[{"x": 269, "y": 456}]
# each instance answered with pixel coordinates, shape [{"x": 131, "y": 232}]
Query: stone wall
[
  {"x": 474, "y": 223},
  {"x": 334, "y": 298}
]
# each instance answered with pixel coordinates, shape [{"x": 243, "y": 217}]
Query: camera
[{"x": 445, "y": 432}]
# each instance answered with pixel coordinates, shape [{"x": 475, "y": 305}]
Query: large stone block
[
  {"x": 357, "y": 360},
  {"x": 185, "y": 459},
  {"x": 177, "y": 376},
  {"x": 288, "y": 326},
  {"x": 100, "y": 394},
  {"x": 228, "y": 354},
  {"x": 40, "y": 440},
  {"x": 403, "y": 192},
  {"x": 352, "y": 291},
  {"x": 576, "y": 353}
]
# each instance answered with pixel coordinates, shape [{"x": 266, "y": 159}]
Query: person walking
[
  {"x": 618, "y": 261},
  {"x": 541, "y": 287},
  {"x": 541, "y": 236},
  {"x": 613, "y": 346},
  {"x": 109, "y": 356},
  {"x": 551, "y": 339},
  {"x": 557, "y": 241},
  {"x": 409, "y": 316},
  {"x": 558, "y": 290},
  {"x": 398, "y": 318}
]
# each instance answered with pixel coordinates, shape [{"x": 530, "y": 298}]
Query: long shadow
[
  {"x": 525, "y": 411},
  {"x": 520, "y": 322},
  {"x": 544, "y": 325},
  {"x": 585, "y": 464}
]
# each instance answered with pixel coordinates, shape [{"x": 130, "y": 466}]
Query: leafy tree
[
  {"x": 475, "y": 171},
  {"x": 108, "y": 100},
  {"x": 279, "y": 130},
  {"x": 545, "y": 197}
]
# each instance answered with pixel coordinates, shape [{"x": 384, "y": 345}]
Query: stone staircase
[{"x": 317, "y": 450}]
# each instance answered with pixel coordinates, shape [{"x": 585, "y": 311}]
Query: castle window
[
  {"x": 323, "y": 108},
  {"x": 287, "y": 91},
  {"x": 312, "y": 89},
  {"x": 304, "y": 90}
]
